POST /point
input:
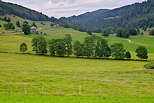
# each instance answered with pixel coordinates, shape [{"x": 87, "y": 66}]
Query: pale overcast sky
[{"x": 60, "y": 8}]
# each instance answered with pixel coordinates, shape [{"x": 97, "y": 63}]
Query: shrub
[
  {"x": 128, "y": 55},
  {"x": 23, "y": 47},
  {"x": 149, "y": 65}
]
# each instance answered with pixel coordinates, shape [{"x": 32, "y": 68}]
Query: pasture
[
  {"x": 70, "y": 99},
  {"x": 29, "y": 77}
]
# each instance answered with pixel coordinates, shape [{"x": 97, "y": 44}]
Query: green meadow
[
  {"x": 70, "y": 99},
  {"x": 34, "y": 78}
]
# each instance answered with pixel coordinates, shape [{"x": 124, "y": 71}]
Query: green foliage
[
  {"x": 33, "y": 24},
  {"x": 18, "y": 24},
  {"x": 23, "y": 47},
  {"x": 119, "y": 32},
  {"x": 39, "y": 45},
  {"x": 60, "y": 47},
  {"x": 123, "y": 33},
  {"x": 89, "y": 46},
  {"x": 149, "y": 65},
  {"x": 26, "y": 28},
  {"x": 89, "y": 32},
  {"x": 106, "y": 33},
  {"x": 128, "y": 55},
  {"x": 68, "y": 41},
  {"x": 51, "y": 24},
  {"x": 51, "y": 46},
  {"x": 79, "y": 49},
  {"x": 57, "y": 47},
  {"x": 6, "y": 19},
  {"x": 151, "y": 32},
  {"x": 118, "y": 51},
  {"x": 142, "y": 52},
  {"x": 102, "y": 48},
  {"x": 9, "y": 26},
  {"x": 133, "y": 31},
  {"x": 93, "y": 46}
]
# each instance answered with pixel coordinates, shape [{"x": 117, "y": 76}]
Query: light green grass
[
  {"x": 62, "y": 99},
  {"x": 50, "y": 73}
]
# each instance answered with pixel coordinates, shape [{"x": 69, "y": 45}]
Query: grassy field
[
  {"x": 62, "y": 99},
  {"x": 95, "y": 80},
  {"x": 36, "y": 72}
]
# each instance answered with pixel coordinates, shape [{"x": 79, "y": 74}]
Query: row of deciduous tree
[{"x": 92, "y": 47}]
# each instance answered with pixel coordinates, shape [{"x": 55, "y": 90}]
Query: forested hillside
[
  {"x": 139, "y": 15},
  {"x": 9, "y": 8},
  {"x": 83, "y": 18}
]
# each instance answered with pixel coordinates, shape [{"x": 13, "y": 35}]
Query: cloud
[{"x": 59, "y": 8}]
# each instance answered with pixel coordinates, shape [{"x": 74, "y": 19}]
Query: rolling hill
[
  {"x": 23, "y": 12},
  {"x": 83, "y": 18},
  {"x": 138, "y": 15}
]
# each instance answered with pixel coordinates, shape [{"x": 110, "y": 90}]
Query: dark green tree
[
  {"x": 106, "y": 33},
  {"x": 23, "y": 47},
  {"x": 68, "y": 41},
  {"x": 79, "y": 49},
  {"x": 26, "y": 28},
  {"x": 128, "y": 55},
  {"x": 118, "y": 51},
  {"x": 39, "y": 45},
  {"x": 89, "y": 44},
  {"x": 33, "y": 24},
  {"x": 125, "y": 33},
  {"x": 18, "y": 24},
  {"x": 7, "y": 19},
  {"x": 102, "y": 48},
  {"x": 122, "y": 32},
  {"x": 133, "y": 31},
  {"x": 142, "y": 52},
  {"x": 119, "y": 32},
  {"x": 60, "y": 47},
  {"x": 89, "y": 32},
  {"x": 9, "y": 26},
  {"x": 51, "y": 46},
  {"x": 52, "y": 24}
]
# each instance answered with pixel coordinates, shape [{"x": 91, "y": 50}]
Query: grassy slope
[{"x": 16, "y": 18}]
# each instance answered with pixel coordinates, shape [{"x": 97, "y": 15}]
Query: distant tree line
[
  {"x": 125, "y": 33},
  {"x": 9, "y": 26},
  {"x": 6, "y": 19},
  {"x": 92, "y": 47}
]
